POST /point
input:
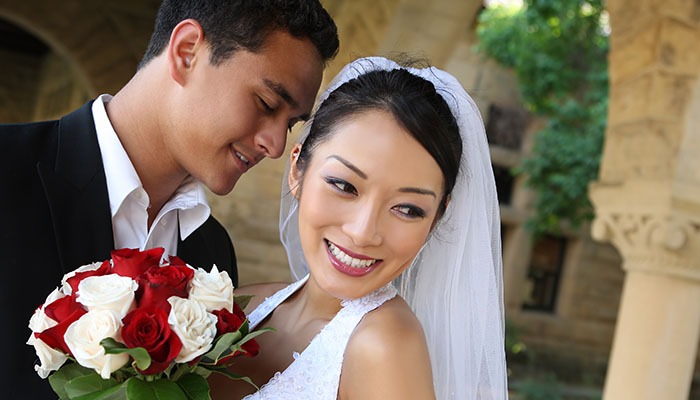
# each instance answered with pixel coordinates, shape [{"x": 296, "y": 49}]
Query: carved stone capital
[
  {"x": 649, "y": 234},
  {"x": 668, "y": 244}
]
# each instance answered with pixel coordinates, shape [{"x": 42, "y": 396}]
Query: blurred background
[{"x": 591, "y": 111}]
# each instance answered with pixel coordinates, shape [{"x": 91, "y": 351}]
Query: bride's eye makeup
[
  {"x": 340, "y": 185},
  {"x": 409, "y": 211}
]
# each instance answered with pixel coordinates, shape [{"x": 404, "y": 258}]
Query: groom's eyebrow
[{"x": 350, "y": 165}]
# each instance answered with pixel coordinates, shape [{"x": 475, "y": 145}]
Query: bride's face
[{"x": 368, "y": 200}]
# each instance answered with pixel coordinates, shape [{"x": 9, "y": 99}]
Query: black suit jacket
[{"x": 55, "y": 217}]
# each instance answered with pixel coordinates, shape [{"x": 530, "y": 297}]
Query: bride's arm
[{"x": 387, "y": 357}]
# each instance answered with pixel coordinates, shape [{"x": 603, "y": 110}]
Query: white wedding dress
[{"x": 315, "y": 373}]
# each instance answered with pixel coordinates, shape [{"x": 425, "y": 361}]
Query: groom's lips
[
  {"x": 242, "y": 165},
  {"x": 347, "y": 269}
]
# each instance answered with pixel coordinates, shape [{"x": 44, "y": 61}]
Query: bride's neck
[{"x": 313, "y": 303}]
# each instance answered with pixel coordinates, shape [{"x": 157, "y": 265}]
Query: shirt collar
[{"x": 191, "y": 201}]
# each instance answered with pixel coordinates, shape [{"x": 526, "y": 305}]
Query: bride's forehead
[
  {"x": 378, "y": 145},
  {"x": 370, "y": 131}
]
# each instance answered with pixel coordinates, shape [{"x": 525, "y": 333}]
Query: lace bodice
[{"x": 315, "y": 373}]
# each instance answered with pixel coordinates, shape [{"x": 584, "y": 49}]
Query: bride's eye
[
  {"x": 341, "y": 185},
  {"x": 410, "y": 211}
]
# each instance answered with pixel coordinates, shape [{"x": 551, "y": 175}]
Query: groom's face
[
  {"x": 367, "y": 202},
  {"x": 234, "y": 114}
]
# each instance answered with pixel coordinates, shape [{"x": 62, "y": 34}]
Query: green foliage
[
  {"x": 514, "y": 345},
  {"x": 558, "y": 51},
  {"x": 545, "y": 388}
]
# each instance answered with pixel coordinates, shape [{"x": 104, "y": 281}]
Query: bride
[{"x": 391, "y": 224}]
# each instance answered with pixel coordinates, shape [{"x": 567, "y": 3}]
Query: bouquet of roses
[{"x": 135, "y": 327}]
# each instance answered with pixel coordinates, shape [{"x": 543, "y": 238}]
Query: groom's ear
[
  {"x": 185, "y": 46},
  {"x": 294, "y": 180}
]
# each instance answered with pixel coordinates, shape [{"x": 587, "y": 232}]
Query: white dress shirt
[{"x": 129, "y": 202}]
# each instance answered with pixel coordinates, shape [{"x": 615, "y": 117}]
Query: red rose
[
  {"x": 133, "y": 262},
  {"x": 75, "y": 280},
  {"x": 148, "y": 328},
  {"x": 231, "y": 322},
  {"x": 175, "y": 260},
  {"x": 159, "y": 283},
  {"x": 65, "y": 311}
]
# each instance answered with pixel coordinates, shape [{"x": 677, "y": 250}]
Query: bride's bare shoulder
[
  {"x": 259, "y": 291},
  {"x": 383, "y": 324},
  {"x": 387, "y": 356}
]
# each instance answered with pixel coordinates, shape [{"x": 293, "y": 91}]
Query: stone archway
[{"x": 101, "y": 41}]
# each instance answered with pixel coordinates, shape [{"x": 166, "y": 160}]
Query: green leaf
[
  {"x": 242, "y": 300},
  {"x": 141, "y": 357},
  {"x": 160, "y": 389},
  {"x": 88, "y": 387},
  {"x": 181, "y": 370},
  {"x": 195, "y": 387},
  {"x": 117, "y": 392},
  {"x": 224, "y": 371},
  {"x": 58, "y": 379},
  {"x": 228, "y": 344}
]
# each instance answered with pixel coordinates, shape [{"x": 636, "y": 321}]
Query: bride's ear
[{"x": 294, "y": 180}]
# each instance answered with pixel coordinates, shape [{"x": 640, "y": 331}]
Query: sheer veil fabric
[{"x": 455, "y": 284}]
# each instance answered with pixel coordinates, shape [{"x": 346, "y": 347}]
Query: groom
[{"x": 219, "y": 86}]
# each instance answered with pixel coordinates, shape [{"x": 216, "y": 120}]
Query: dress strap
[{"x": 271, "y": 303}]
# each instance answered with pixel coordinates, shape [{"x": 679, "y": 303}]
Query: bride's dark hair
[{"x": 414, "y": 103}]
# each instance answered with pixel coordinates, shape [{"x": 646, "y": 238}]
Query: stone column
[
  {"x": 647, "y": 199},
  {"x": 658, "y": 325}
]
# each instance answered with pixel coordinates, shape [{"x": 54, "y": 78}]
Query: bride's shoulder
[
  {"x": 388, "y": 351},
  {"x": 382, "y": 325}
]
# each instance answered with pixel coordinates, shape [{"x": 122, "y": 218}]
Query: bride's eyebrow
[
  {"x": 418, "y": 191},
  {"x": 362, "y": 175},
  {"x": 350, "y": 165}
]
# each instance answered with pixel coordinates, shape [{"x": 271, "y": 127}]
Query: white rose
[
  {"x": 214, "y": 289},
  {"x": 39, "y": 321},
  {"x": 195, "y": 327},
  {"x": 83, "y": 338},
  {"x": 50, "y": 358},
  {"x": 108, "y": 292},
  {"x": 67, "y": 290}
]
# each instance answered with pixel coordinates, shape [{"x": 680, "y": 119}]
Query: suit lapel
[{"x": 76, "y": 191}]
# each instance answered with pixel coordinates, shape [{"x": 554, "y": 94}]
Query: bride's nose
[{"x": 363, "y": 226}]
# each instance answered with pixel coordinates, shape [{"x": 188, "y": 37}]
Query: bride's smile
[{"x": 353, "y": 265}]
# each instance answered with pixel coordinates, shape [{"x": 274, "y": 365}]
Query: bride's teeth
[{"x": 347, "y": 260}]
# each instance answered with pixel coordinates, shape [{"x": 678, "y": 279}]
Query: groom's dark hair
[{"x": 231, "y": 25}]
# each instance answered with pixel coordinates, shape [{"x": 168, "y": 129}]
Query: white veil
[{"x": 455, "y": 284}]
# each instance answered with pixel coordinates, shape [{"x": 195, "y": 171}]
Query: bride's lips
[{"x": 348, "y": 269}]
